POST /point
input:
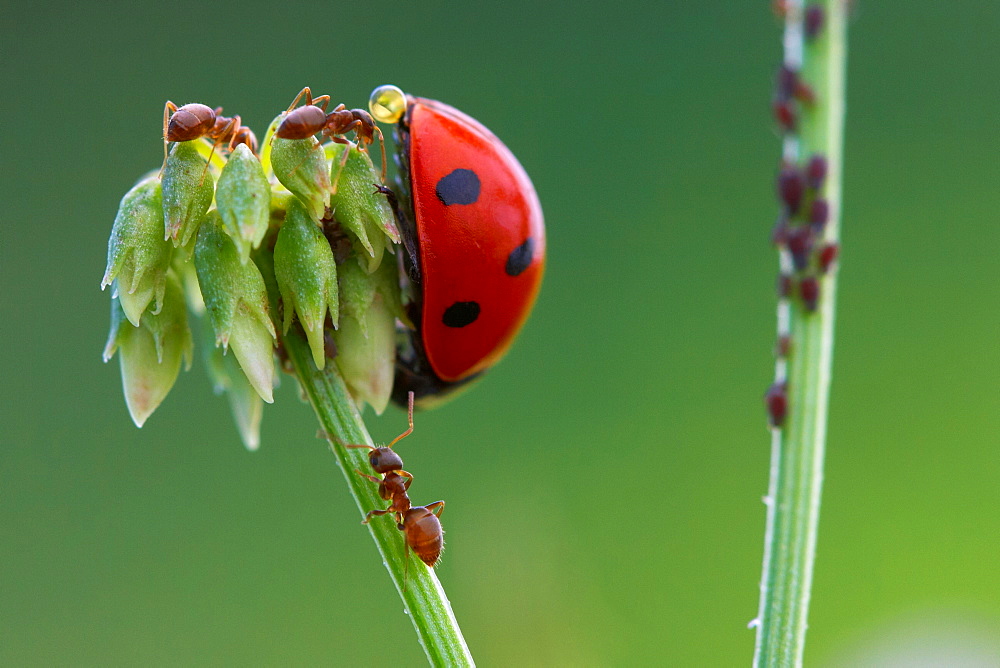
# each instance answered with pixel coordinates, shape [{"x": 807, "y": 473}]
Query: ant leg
[
  {"x": 381, "y": 143},
  {"x": 408, "y": 476},
  {"x": 360, "y": 445},
  {"x": 309, "y": 98},
  {"x": 372, "y": 513},
  {"x": 168, "y": 109},
  {"x": 371, "y": 477},
  {"x": 322, "y": 101},
  {"x": 215, "y": 143},
  {"x": 437, "y": 507},
  {"x": 409, "y": 414},
  {"x": 343, "y": 163}
]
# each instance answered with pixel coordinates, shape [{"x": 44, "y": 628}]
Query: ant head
[{"x": 384, "y": 460}]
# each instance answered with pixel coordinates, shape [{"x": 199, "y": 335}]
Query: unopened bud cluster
[{"x": 253, "y": 246}]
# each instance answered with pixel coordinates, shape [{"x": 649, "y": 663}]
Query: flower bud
[
  {"x": 359, "y": 207},
  {"x": 243, "y": 197},
  {"x": 244, "y": 402},
  {"x": 151, "y": 353},
  {"x": 307, "y": 276},
  {"x": 188, "y": 189},
  {"x": 366, "y": 339},
  {"x": 236, "y": 300},
  {"x": 138, "y": 256},
  {"x": 301, "y": 166}
]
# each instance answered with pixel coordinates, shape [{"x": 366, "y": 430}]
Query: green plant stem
[
  {"x": 795, "y": 487},
  {"x": 423, "y": 597}
]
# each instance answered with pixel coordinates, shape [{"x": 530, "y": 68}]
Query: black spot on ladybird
[
  {"x": 520, "y": 258},
  {"x": 459, "y": 187},
  {"x": 461, "y": 314}
]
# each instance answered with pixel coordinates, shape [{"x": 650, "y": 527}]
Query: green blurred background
[{"x": 604, "y": 482}]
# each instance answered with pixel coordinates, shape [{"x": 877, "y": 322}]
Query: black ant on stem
[
  {"x": 312, "y": 117},
  {"x": 419, "y": 524}
]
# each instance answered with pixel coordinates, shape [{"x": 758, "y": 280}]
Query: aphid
[
  {"x": 809, "y": 291},
  {"x": 819, "y": 214},
  {"x": 816, "y": 171},
  {"x": 827, "y": 256},
  {"x": 800, "y": 244},
  {"x": 776, "y": 399},
  {"x": 815, "y": 17},
  {"x": 791, "y": 188},
  {"x": 312, "y": 117},
  {"x": 475, "y": 243}
]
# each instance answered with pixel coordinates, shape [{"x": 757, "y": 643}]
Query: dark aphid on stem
[
  {"x": 827, "y": 256},
  {"x": 791, "y": 188},
  {"x": 779, "y": 233},
  {"x": 423, "y": 531},
  {"x": 816, "y": 172},
  {"x": 814, "y": 20},
  {"x": 819, "y": 214},
  {"x": 809, "y": 291},
  {"x": 776, "y": 399},
  {"x": 786, "y": 83},
  {"x": 312, "y": 118},
  {"x": 800, "y": 244},
  {"x": 784, "y": 114}
]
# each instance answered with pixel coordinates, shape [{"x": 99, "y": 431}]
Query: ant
[
  {"x": 194, "y": 120},
  {"x": 312, "y": 117},
  {"x": 419, "y": 524}
]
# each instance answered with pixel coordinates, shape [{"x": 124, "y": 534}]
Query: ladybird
[{"x": 474, "y": 241}]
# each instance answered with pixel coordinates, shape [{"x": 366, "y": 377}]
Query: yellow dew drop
[{"x": 387, "y": 104}]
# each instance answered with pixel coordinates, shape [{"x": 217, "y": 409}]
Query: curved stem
[
  {"x": 793, "y": 500},
  {"x": 423, "y": 596}
]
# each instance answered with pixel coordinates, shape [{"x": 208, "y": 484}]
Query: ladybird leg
[
  {"x": 437, "y": 507},
  {"x": 409, "y": 415}
]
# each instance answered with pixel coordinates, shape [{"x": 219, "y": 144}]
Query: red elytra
[{"x": 475, "y": 243}]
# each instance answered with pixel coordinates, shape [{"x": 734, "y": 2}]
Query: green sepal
[
  {"x": 138, "y": 256},
  {"x": 307, "y": 277},
  {"x": 358, "y": 205},
  {"x": 366, "y": 339},
  {"x": 188, "y": 189},
  {"x": 237, "y": 304},
  {"x": 243, "y": 197},
  {"x": 300, "y": 165},
  {"x": 227, "y": 377},
  {"x": 151, "y": 354}
]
